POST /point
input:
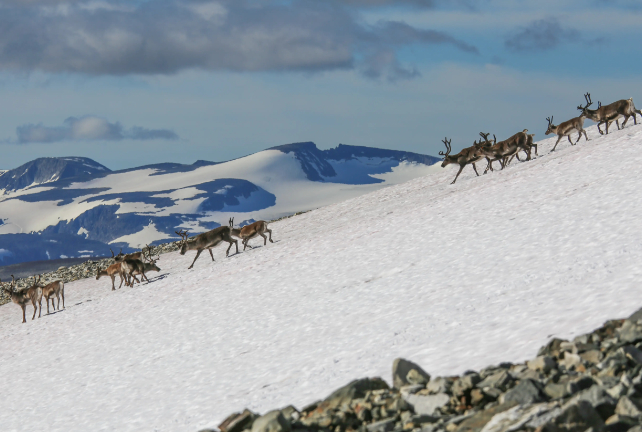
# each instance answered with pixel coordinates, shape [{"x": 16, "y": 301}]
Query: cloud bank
[
  {"x": 88, "y": 128},
  {"x": 167, "y": 36}
]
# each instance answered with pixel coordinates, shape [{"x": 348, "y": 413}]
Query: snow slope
[{"x": 452, "y": 277}]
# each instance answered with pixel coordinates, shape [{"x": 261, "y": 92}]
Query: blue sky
[{"x": 133, "y": 83}]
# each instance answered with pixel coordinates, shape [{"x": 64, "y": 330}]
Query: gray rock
[
  {"x": 571, "y": 360},
  {"x": 552, "y": 348},
  {"x": 598, "y": 398},
  {"x": 465, "y": 384},
  {"x": 478, "y": 421},
  {"x": 628, "y": 407},
  {"x": 439, "y": 385},
  {"x": 354, "y": 390},
  {"x": 630, "y": 332},
  {"x": 632, "y": 353},
  {"x": 556, "y": 390},
  {"x": 636, "y": 316},
  {"x": 542, "y": 363},
  {"x": 382, "y": 426},
  {"x": 525, "y": 392},
  {"x": 427, "y": 404},
  {"x": 405, "y": 372},
  {"x": 238, "y": 422},
  {"x": 499, "y": 380},
  {"x": 577, "y": 417},
  {"x": 273, "y": 421},
  {"x": 592, "y": 356}
]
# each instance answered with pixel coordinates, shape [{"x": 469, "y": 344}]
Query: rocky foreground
[{"x": 593, "y": 382}]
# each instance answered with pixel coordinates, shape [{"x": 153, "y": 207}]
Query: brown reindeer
[
  {"x": 140, "y": 255},
  {"x": 505, "y": 151},
  {"x": 32, "y": 294},
  {"x": 112, "y": 271},
  {"x": 469, "y": 155},
  {"x": 207, "y": 240},
  {"x": 566, "y": 128},
  {"x": 147, "y": 267},
  {"x": 607, "y": 114},
  {"x": 248, "y": 232},
  {"x": 133, "y": 267},
  {"x": 56, "y": 288}
]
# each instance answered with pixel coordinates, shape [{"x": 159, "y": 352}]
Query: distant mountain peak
[{"x": 47, "y": 170}]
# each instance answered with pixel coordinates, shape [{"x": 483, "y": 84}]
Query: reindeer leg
[
  {"x": 270, "y": 232},
  {"x": 195, "y": 258},
  {"x": 143, "y": 276},
  {"x": 35, "y": 309},
  {"x": 461, "y": 167},
  {"x": 617, "y": 122},
  {"x": 113, "y": 282},
  {"x": 475, "y": 168},
  {"x": 535, "y": 145},
  {"x": 52, "y": 303},
  {"x": 212, "y": 255},
  {"x": 569, "y": 139},
  {"x": 264, "y": 239},
  {"x": 24, "y": 308},
  {"x": 559, "y": 137},
  {"x": 585, "y": 136}
]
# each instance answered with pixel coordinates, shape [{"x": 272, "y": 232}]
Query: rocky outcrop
[{"x": 593, "y": 382}]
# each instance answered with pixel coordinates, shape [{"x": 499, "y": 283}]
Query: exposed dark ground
[{"x": 37, "y": 267}]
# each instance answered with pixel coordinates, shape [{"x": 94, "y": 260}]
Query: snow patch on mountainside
[{"x": 146, "y": 236}]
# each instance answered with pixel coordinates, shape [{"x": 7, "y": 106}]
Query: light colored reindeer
[
  {"x": 32, "y": 294},
  {"x": 248, "y": 232}
]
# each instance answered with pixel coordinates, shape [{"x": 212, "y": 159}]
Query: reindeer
[
  {"x": 56, "y": 288},
  {"x": 207, "y": 241},
  {"x": 112, "y": 271},
  {"x": 147, "y": 267},
  {"x": 530, "y": 144},
  {"x": 250, "y": 231},
  {"x": 140, "y": 255},
  {"x": 32, "y": 294},
  {"x": 607, "y": 114},
  {"x": 566, "y": 128},
  {"x": 469, "y": 155},
  {"x": 501, "y": 151}
]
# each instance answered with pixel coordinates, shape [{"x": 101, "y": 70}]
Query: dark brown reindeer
[
  {"x": 566, "y": 128},
  {"x": 32, "y": 294},
  {"x": 248, "y": 232},
  {"x": 57, "y": 289},
  {"x": 140, "y": 255},
  {"x": 207, "y": 240},
  {"x": 607, "y": 114},
  {"x": 138, "y": 270},
  {"x": 503, "y": 150},
  {"x": 469, "y": 155}
]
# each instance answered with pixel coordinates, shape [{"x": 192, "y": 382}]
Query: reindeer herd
[
  {"x": 504, "y": 151},
  {"x": 128, "y": 266}
]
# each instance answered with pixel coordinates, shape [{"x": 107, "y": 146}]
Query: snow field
[{"x": 453, "y": 277}]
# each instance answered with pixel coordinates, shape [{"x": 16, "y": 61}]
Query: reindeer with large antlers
[
  {"x": 258, "y": 228},
  {"x": 207, "y": 241},
  {"x": 469, "y": 155},
  {"x": 607, "y": 114},
  {"x": 504, "y": 151},
  {"x": 32, "y": 294},
  {"x": 140, "y": 255},
  {"x": 565, "y": 129}
]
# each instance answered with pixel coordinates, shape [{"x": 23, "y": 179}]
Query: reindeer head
[
  {"x": 184, "y": 237},
  {"x": 153, "y": 267},
  {"x": 551, "y": 127},
  {"x": 118, "y": 257},
  {"x": 447, "y": 160}
]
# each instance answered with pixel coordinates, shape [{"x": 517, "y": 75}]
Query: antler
[
  {"x": 587, "y": 97},
  {"x": 447, "y": 142},
  {"x": 112, "y": 253},
  {"x": 599, "y": 104},
  {"x": 484, "y": 135},
  {"x": 183, "y": 235},
  {"x": 494, "y": 139},
  {"x": 550, "y": 120},
  {"x": 231, "y": 222}
]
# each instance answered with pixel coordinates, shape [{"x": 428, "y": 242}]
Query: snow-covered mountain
[
  {"x": 70, "y": 207},
  {"x": 453, "y": 277}
]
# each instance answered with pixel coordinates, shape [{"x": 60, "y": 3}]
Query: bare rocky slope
[{"x": 592, "y": 383}]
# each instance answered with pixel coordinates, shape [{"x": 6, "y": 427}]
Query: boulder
[
  {"x": 405, "y": 372},
  {"x": 354, "y": 390},
  {"x": 273, "y": 421},
  {"x": 526, "y": 392},
  {"x": 628, "y": 407},
  {"x": 439, "y": 385},
  {"x": 542, "y": 363},
  {"x": 427, "y": 404},
  {"x": 238, "y": 422}
]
